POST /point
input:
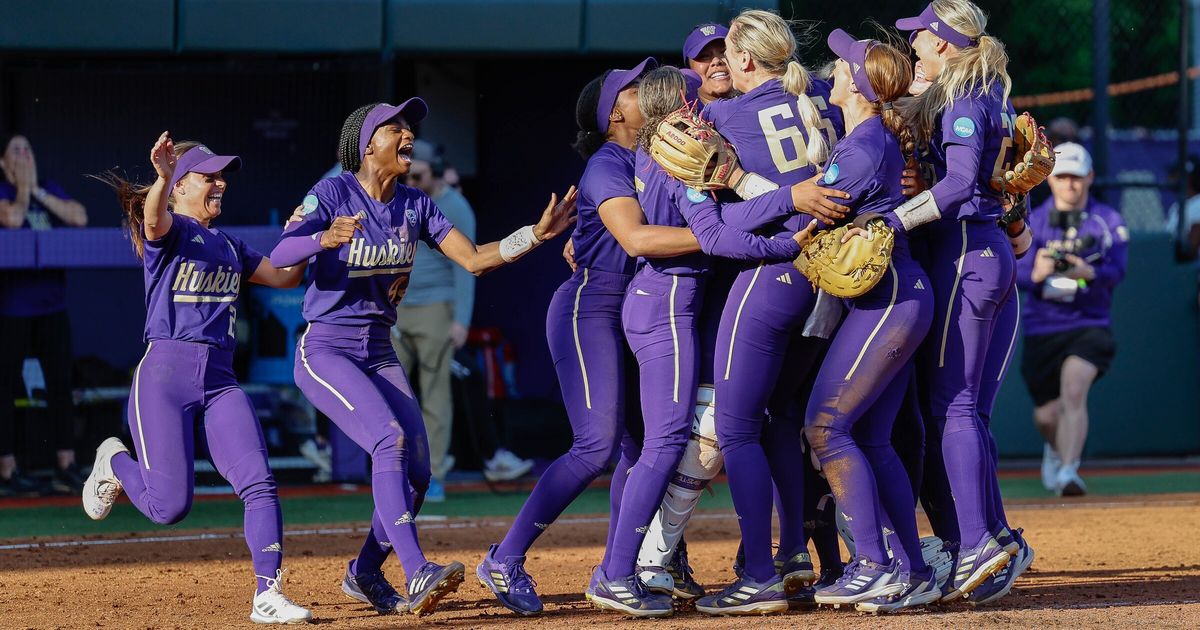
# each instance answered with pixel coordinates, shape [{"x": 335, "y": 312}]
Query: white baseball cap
[{"x": 1072, "y": 159}]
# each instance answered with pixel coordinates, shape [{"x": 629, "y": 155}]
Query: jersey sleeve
[
  {"x": 434, "y": 225},
  {"x": 607, "y": 178},
  {"x": 158, "y": 252},
  {"x": 302, "y": 239},
  {"x": 703, "y": 216}
]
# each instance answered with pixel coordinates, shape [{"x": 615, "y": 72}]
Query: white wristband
[
  {"x": 518, "y": 244},
  {"x": 752, "y": 185},
  {"x": 918, "y": 211},
  {"x": 1021, "y": 242}
]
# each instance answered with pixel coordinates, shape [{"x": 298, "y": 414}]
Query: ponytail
[
  {"x": 132, "y": 197},
  {"x": 971, "y": 71},
  {"x": 796, "y": 81}
]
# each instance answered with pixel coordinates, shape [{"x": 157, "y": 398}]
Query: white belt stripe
[
  {"x": 953, "y": 293},
  {"x": 587, "y": 390},
  {"x": 137, "y": 405},
  {"x": 304, "y": 360},
  {"x": 737, "y": 318},
  {"x": 674, "y": 338},
  {"x": 888, "y": 311}
]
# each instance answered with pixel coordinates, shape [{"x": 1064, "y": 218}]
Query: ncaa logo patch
[
  {"x": 831, "y": 175},
  {"x": 309, "y": 205},
  {"x": 964, "y": 127},
  {"x": 695, "y": 196}
]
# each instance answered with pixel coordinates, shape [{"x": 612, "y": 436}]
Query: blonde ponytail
[
  {"x": 772, "y": 44},
  {"x": 971, "y": 71},
  {"x": 796, "y": 82}
]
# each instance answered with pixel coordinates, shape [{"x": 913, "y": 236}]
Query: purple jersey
[
  {"x": 666, "y": 201},
  {"x": 868, "y": 164},
  {"x": 609, "y": 174},
  {"x": 193, "y": 277},
  {"x": 32, "y": 292},
  {"x": 1099, "y": 236},
  {"x": 765, "y": 128},
  {"x": 984, "y": 125},
  {"x": 362, "y": 281}
]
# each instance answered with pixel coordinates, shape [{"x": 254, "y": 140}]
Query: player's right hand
[
  {"x": 162, "y": 156},
  {"x": 813, "y": 200},
  {"x": 297, "y": 216},
  {"x": 569, "y": 254},
  {"x": 341, "y": 231}
]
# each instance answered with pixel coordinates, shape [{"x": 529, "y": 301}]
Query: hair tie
[{"x": 887, "y": 106}]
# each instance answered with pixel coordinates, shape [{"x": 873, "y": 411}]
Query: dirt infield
[{"x": 1124, "y": 563}]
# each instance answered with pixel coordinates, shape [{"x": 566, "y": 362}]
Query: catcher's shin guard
[{"x": 701, "y": 462}]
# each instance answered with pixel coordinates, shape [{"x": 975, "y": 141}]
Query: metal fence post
[
  {"x": 1181, "y": 241},
  {"x": 1101, "y": 116}
]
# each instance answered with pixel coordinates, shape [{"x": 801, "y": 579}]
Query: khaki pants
[{"x": 422, "y": 342}]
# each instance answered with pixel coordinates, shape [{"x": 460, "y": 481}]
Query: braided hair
[
  {"x": 348, "y": 144},
  {"x": 589, "y": 139}
]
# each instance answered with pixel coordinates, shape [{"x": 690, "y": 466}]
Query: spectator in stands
[
  {"x": 1080, "y": 247},
  {"x": 33, "y": 319},
  {"x": 1062, "y": 130},
  {"x": 1191, "y": 209},
  {"x": 432, "y": 322}
]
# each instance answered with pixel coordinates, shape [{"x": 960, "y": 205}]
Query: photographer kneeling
[{"x": 1068, "y": 286}]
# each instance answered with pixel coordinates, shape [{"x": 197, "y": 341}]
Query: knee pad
[{"x": 702, "y": 460}]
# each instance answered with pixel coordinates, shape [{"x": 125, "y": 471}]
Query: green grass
[{"x": 29, "y": 522}]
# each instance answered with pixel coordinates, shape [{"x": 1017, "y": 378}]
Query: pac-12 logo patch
[
  {"x": 411, "y": 215},
  {"x": 695, "y": 196},
  {"x": 309, "y": 205},
  {"x": 964, "y": 127},
  {"x": 831, "y": 175}
]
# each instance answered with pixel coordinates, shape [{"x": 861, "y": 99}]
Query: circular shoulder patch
[
  {"x": 964, "y": 127},
  {"x": 310, "y": 205},
  {"x": 832, "y": 173},
  {"x": 695, "y": 196}
]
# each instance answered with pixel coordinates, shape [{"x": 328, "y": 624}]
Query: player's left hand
[
  {"x": 557, "y": 217},
  {"x": 805, "y": 236},
  {"x": 855, "y": 231}
]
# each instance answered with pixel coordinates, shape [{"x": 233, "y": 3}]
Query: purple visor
[
  {"x": 930, "y": 20},
  {"x": 616, "y": 81},
  {"x": 704, "y": 35},
  {"x": 414, "y": 111},
  {"x": 854, "y": 53},
  {"x": 201, "y": 159}
]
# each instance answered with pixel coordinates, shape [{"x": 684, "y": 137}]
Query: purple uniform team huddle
[{"x": 834, "y": 415}]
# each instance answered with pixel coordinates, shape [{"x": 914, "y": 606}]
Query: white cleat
[
  {"x": 272, "y": 606},
  {"x": 102, "y": 487},
  {"x": 1070, "y": 484}
]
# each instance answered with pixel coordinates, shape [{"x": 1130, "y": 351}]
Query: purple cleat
[{"x": 510, "y": 583}]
